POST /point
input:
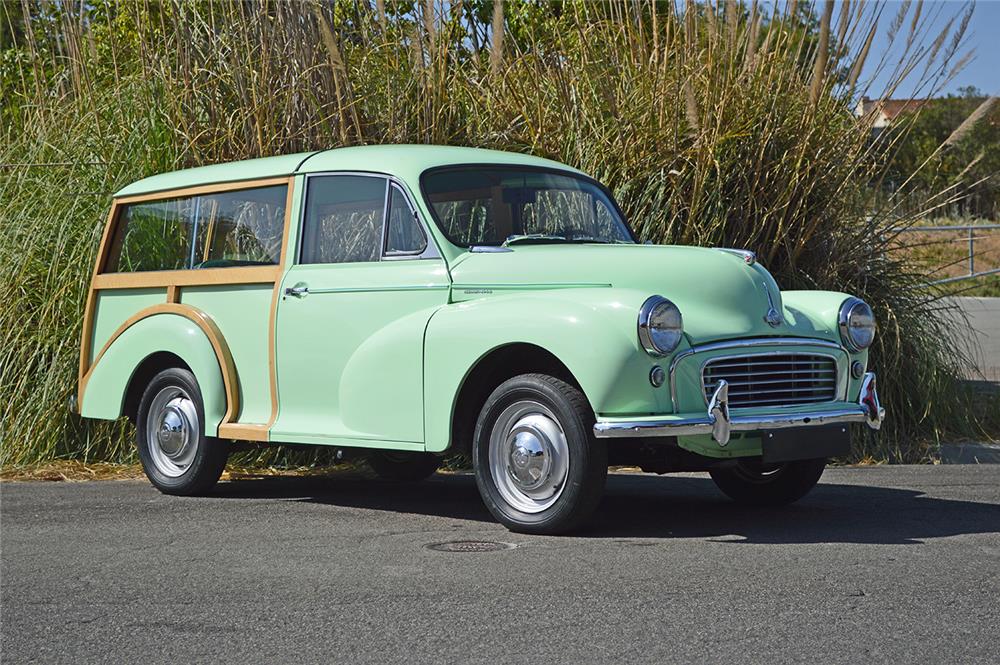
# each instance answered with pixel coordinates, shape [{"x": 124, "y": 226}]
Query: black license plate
[{"x": 798, "y": 443}]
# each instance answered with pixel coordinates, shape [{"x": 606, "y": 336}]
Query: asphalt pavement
[{"x": 877, "y": 564}]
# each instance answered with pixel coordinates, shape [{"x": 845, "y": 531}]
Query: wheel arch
[
  {"x": 150, "y": 366},
  {"x": 152, "y": 340},
  {"x": 490, "y": 370}
]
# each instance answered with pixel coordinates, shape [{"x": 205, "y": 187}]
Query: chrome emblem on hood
[
  {"x": 748, "y": 257},
  {"x": 773, "y": 316}
]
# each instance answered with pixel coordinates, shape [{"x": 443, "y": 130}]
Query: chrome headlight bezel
[
  {"x": 648, "y": 313},
  {"x": 849, "y": 311}
]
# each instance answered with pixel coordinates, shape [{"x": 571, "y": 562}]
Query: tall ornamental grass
[{"x": 724, "y": 124}]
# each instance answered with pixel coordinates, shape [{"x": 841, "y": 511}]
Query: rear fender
[{"x": 107, "y": 382}]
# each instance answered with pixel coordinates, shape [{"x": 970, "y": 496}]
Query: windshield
[{"x": 498, "y": 205}]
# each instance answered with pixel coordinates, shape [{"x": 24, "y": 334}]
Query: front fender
[
  {"x": 591, "y": 331},
  {"x": 813, "y": 313},
  {"x": 104, "y": 393},
  {"x": 817, "y": 312}
]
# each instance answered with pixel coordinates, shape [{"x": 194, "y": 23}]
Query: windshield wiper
[
  {"x": 601, "y": 241},
  {"x": 533, "y": 237}
]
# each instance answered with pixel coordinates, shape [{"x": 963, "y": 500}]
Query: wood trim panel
[
  {"x": 232, "y": 186},
  {"x": 87, "y": 334},
  {"x": 194, "y": 277},
  {"x": 211, "y": 330},
  {"x": 244, "y": 432},
  {"x": 272, "y": 366}
]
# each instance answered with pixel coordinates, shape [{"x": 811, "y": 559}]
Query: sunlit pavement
[{"x": 878, "y": 563}]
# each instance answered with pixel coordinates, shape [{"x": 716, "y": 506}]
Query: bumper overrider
[{"x": 719, "y": 423}]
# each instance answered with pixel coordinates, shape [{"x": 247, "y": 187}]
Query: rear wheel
[
  {"x": 402, "y": 466},
  {"x": 538, "y": 466},
  {"x": 170, "y": 434},
  {"x": 754, "y": 483}
]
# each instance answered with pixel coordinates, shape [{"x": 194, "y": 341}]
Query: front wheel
[
  {"x": 170, "y": 434},
  {"x": 754, "y": 483},
  {"x": 538, "y": 466}
]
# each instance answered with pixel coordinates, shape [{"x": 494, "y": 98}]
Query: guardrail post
[{"x": 972, "y": 252}]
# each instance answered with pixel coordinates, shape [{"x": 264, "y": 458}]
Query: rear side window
[
  {"x": 240, "y": 228},
  {"x": 224, "y": 229},
  {"x": 153, "y": 236},
  {"x": 343, "y": 222}
]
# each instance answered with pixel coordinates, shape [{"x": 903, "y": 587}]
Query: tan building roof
[{"x": 887, "y": 109}]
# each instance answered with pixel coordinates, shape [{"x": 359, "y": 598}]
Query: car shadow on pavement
[{"x": 667, "y": 507}]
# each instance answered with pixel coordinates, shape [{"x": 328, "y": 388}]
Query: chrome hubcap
[
  {"x": 529, "y": 458},
  {"x": 172, "y": 431}
]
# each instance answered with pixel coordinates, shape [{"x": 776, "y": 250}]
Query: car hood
[{"x": 719, "y": 293}]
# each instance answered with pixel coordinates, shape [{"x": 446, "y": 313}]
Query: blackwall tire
[
  {"x": 170, "y": 436},
  {"x": 538, "y": 467},
  {"x": 754, "y": 484}
]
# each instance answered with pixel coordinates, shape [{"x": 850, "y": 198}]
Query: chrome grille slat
[
  {"x": 742, "y": 363},
  {"x": 773, "y": 379},
  {"x": 780, "y": 391},
  {"x": 737, "y": 384},
  {"x": 779, "y": 372}
]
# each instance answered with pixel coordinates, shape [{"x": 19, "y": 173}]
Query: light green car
[{"x": 421, "y": 300}]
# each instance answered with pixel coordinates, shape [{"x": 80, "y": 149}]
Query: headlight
[
  {"x": 857, "y": 324},
  {"x": 660, "y": 326}
]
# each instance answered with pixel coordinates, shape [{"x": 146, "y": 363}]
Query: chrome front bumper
[{"x": 720, "y": 424}]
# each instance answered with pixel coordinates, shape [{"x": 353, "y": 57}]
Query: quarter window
[
  {"x": 404, "y": 235},
  {"x": 343, "y": 221}
]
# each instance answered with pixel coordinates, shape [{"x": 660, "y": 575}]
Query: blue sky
[{"x": 983, "y": 36}]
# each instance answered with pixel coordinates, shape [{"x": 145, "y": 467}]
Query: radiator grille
[{"x": 773, "y": 380}]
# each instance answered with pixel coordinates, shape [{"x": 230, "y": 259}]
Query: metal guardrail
[{"x": 971, "y": 229}]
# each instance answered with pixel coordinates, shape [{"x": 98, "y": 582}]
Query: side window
[
  {"x": 343, "y": 219},
  {"x": 153, "y": 236},
  {"x": 240, "y": 228},
  {"x": 404, "y": 235}
]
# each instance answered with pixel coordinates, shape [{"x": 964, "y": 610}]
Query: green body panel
[
  {"x": 739, "y": 446},
  {"x": 176, "y": 334},
  {"x": 350, "y": 353},
  {"x": 242, "y": 313},
  {"x": 114, "y": 306}
]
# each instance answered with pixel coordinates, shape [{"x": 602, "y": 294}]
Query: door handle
[{"x": 297, "y": 291}]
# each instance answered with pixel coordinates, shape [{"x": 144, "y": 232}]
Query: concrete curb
[{"x": 970, "y": 453}]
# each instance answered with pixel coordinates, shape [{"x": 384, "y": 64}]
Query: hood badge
[
  {"x": 773, "y": 316},
  {"x": 748, "y": 257}
]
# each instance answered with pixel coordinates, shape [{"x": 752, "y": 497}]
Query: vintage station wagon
[{"x": 412, "y": 301}]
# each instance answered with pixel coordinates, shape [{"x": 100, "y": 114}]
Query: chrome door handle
[{"x": 298, "y": 291}]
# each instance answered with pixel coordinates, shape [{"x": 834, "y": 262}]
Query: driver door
[{"x": 351, "y": 320}]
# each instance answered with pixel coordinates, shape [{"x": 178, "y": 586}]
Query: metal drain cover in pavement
[{"x": 471, "y": 546}]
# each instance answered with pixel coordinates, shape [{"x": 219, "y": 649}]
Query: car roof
[{"x": 404, "y": 161}]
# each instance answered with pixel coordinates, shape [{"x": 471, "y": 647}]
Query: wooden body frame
[{"x": 174, "y": 282}]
